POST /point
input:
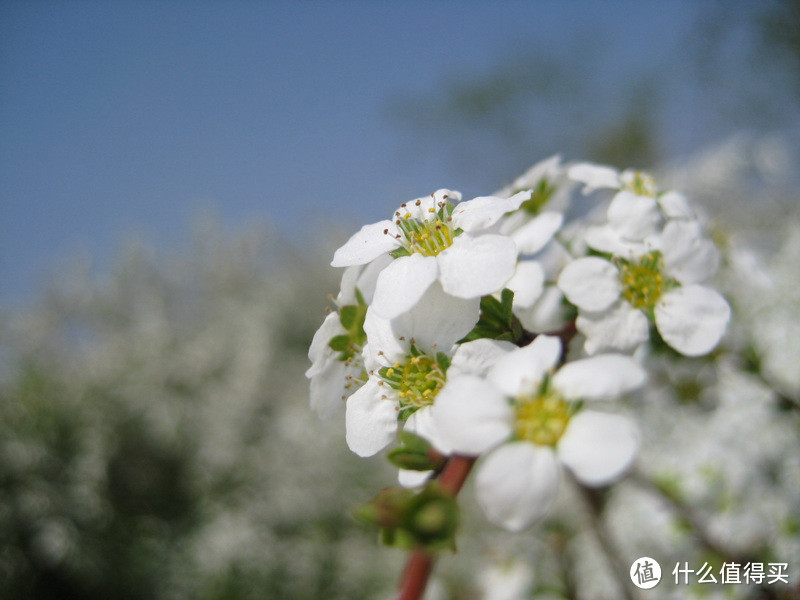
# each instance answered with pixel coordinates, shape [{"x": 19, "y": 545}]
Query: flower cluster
[{"x": 505, "y": 328}]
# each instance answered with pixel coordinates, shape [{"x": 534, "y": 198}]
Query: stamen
[
  {"x": 542, "y": 418},
  {"x": 642, "y": 281}
]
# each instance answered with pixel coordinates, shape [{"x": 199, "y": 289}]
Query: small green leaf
[
  {"x": 498, "y": 321},
  {"x": 507, "y": 302},
  {"x": 410, "y": 461},
  {"x": 443, "y": 360},
  {"x": 347, "y": 315},
  {"x": 492, "y": 307},
  {"x": 340, "y": 343},
  {"x": 399, "y": 252},
  {"x": 414, "y": 442}
]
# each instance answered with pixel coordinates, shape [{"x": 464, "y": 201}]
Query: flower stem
[
  {"x": 419, "y": 564},
  {"x": 415, "y": 575}
]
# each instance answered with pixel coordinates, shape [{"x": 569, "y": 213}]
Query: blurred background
[{"x": 173, "y": 180}]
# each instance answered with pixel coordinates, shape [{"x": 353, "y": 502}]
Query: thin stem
[
  {"x": 455, "y": 473},
  {"x": 415, "y": 575},
  {"x": 420, "y": 562}
]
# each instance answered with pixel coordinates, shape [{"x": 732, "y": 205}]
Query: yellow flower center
[
  {"x": 642, "y": 281},
  {"x": 417, "y": 380},
  {"x": 430, "y": 234},
  {"x": 542, "y": 419},
  {"x": 641, "y": 184}
]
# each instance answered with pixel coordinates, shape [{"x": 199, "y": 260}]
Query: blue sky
[{"x": 120, "y": 118}]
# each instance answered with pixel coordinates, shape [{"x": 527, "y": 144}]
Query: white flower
[
  {"x": 434, "y": 239},
  {"x": 537, "y": 220},
  {"x": 637, "y": 210},
  {"x": 507, "y": 581},
  {"x": 337, "y": 368},
  {"x": 540, "y": 427},
  {"x": 408, "y": 358},
  {"x": 619, "y": 298}
]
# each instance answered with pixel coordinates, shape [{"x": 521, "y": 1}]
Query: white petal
[
  {"x": 522, "y": 370},
  {"x": 594, "y": 176},
  {"x": 527, "y": 283},
  {"x": 598, "y": 447},
  {"x": 347, "y": 287},
  {"x": 413, "y": 479},
  {"x": 370, "y": 419},
  {"x": 533, "y": 236},
  {"x": 368, "y": 278},
  {"x": 477, "y": 266},
  {"x": 368, "y": 243},
  {"x": 320, "y": 353},
  {"x": 607, "y": 239},
  {"x": 483, "y": 212},
  {"x": 621, "y": 327},
  {"x": 402, "y": 283},
  {"x": 478, "y": 356},
  {"x": 329, "y": 387},
  {"x": 688, "y": 256},
  {"x": 383, "y": 343},
  {"x": 470, "y": 416},
  {"x": 675, "y": 206},
  {"x": 590, "y": 283},
  {"x": 438, "y": 320},
  {"x": 634, "y": 217},
  {"x": 548, "y": 314},
  {"x": 422, "y": 424},
  {"x": 371, "y": 359},
  {"x": 549, "y": 168},
  {"x": 601, "y": 377},
  {"x": 516, "y": 484},
  {"x": 692, "y": 319}
]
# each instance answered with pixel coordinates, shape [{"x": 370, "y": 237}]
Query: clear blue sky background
[{"x": 128, "y": 117}]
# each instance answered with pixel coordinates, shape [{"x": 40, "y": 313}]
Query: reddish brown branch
[
  {"x": 455, "y": 473},
  {"x": 420, "y": 562},
  {"x": 415, "y": 575}
]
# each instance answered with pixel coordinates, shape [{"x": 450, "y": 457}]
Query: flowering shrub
[
  {"x": 511, "y": 332},
  {"x": 156, "y": 442}
]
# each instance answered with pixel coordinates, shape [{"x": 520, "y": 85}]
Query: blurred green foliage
[{"x": 156, "y": 440}]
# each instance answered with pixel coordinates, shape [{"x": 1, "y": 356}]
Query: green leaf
[
  {"x": 413, "y": 454},
  {"x": 340, "y": 343},
  {"x": 348, "y": 315},
  {"x": 398, "y": 252},
  {"x": 507, "y": 301},
  {"x": 492, "y": 308},
  {"x": 414, "y": 442},
  {"x": 410, "y": 461},
  {"x": 498, "y": 321},
  {"x": 443, "y": 360}
]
